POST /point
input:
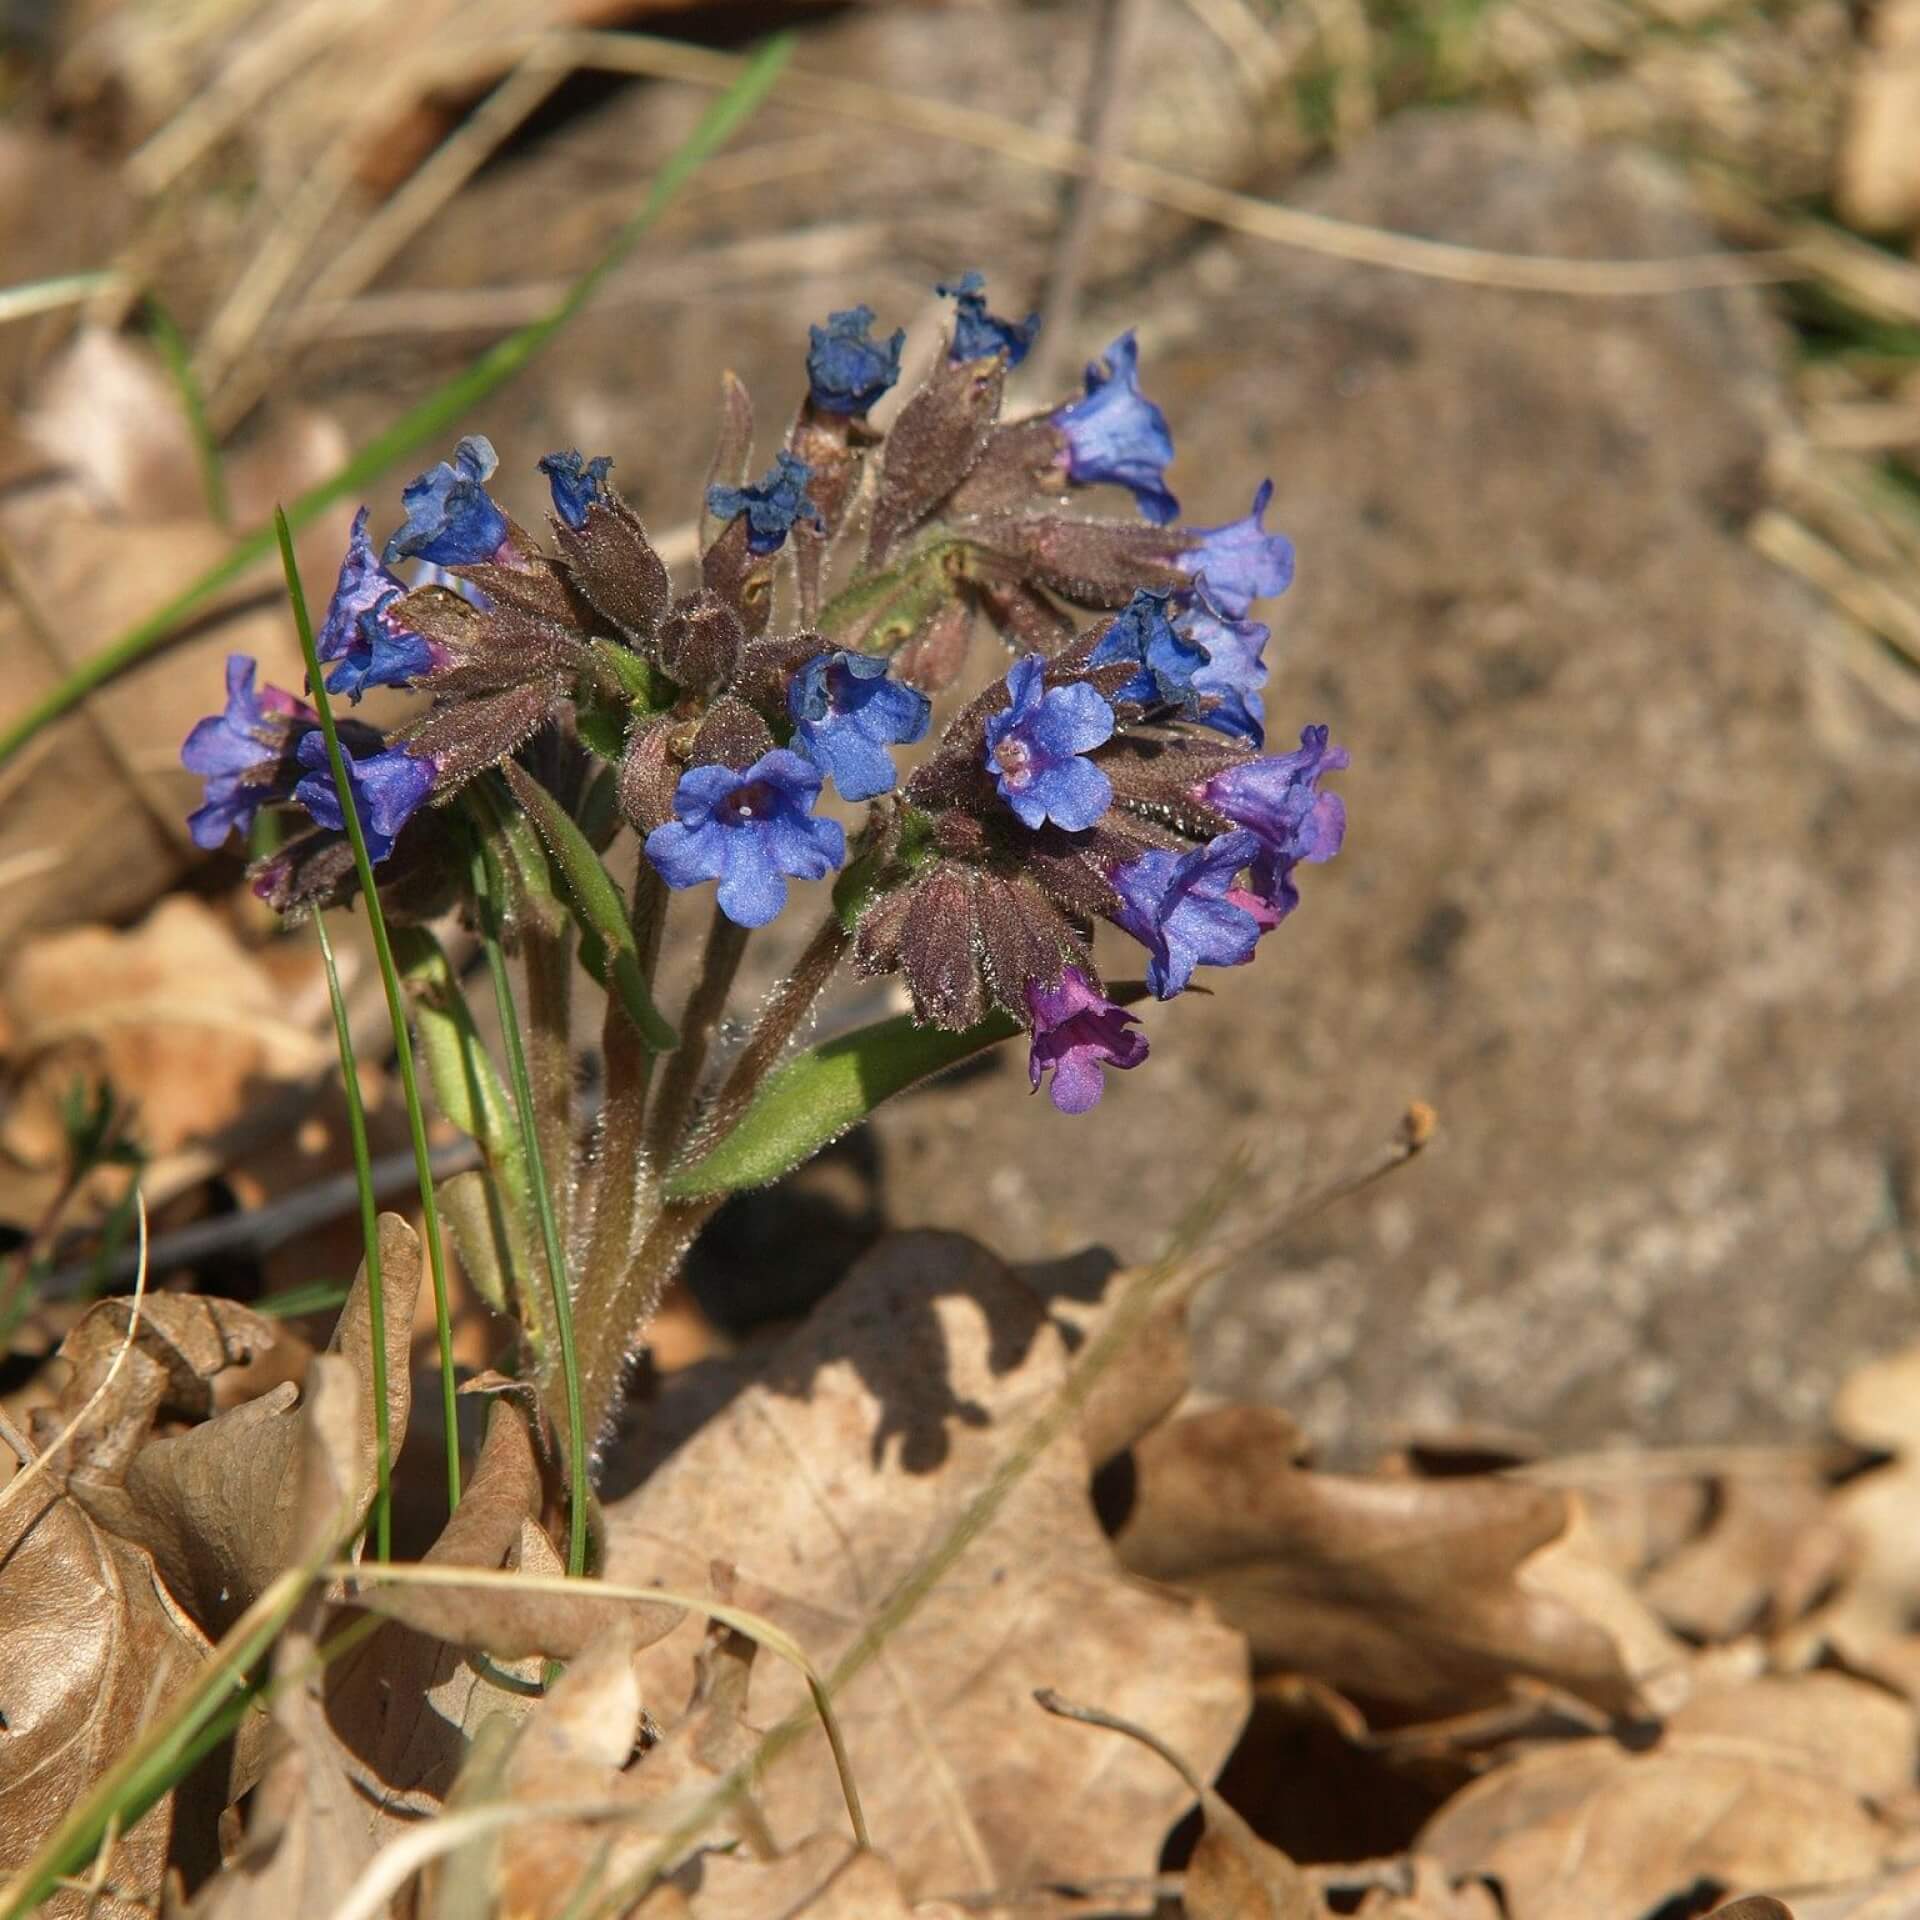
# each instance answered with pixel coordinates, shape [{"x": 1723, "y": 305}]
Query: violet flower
[
  {"x": 1242, "y": 562},
  {"x": 360, "y": 632},
  {"x": 977, "y": 334},
  {"x": 1077, "y": 1031},
  {"x": 1184, "y": 909},
  {"x": 388, "y": 788},
  {"x": 1116, "y": 435},
  {"x": 1034, "y": 749},
  {"x": 751, "y": 831},
  {"x": 575, "y": 484},
  {"x": 771, "y": 507},
  {"x": 246, "y": 754},
  {"x": 451, "y": 520},
  {"x": 847, "y": 712},
  {"x": 1235, "y": 669},
  {"x": 1168, "y": 663},
  {"x": 1279, "y": 801},
  {"x": 847, "y": 371}
]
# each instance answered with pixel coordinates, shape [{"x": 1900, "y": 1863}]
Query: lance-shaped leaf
[
  {"x": 597, "y": 904},
  {"x": 817, "y": 1096}
]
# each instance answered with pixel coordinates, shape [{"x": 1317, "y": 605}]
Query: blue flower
[
  {"x": 245, "y": 754},
  {"x": 1077, "y": 1031},
  {"x": 978, "y": 333},
  {"x": 846, "y": 713},
  {"x": 1242, "y": 562},
  {"x": 1279, "y": 801},
  {"x": 1168, "y": 662},
  {"x": 1231, "y": 680},
  {"x": 373, "y": 649},
  {"x": 450, "y": 519},
  {"x": 426, "y": 574},
  {"x": 576, "y": 484},
  {"x": 1184, "y": 909},
  {"x": 1117, "y": 435},
  {"x": 388, "y": 788},
  {"x": 846, "y": 371},
  {"x": 1034, "y": 748},
  {"x": 750, "y": 831},
  {"x": 772, "y": 507}
]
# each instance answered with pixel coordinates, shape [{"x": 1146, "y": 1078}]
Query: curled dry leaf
[
  {"x": 95, "y": 1648},
  {"x": 829, "y": 1479},
  {"x": 1422, "y": 1594},
  {"x": 1770, "y": 1784}
]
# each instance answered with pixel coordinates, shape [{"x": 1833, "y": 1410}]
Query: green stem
[
  {"x": 486, "y": 892},
  {"x": 370, "y": 1239},
  {"x": 174, "y": 351},
  {"x": 547, "y": 959},
  {"x": 396, "y": 1005},
  {"x": 726, "y": 942}
]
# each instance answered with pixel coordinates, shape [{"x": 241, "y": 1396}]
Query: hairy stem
[
  {"x": 548, "y": 960},
  {"x": 726, "y": 942},
  {"x": 791, "y": 1002}
]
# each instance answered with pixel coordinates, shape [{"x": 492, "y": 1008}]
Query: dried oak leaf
[
  {"x": 1769, "y": 1784},
  {"x": 91, "y": 1649},
  {"x": 1425, "y": 1595},
  {"x": 825, "y": 1483},
  {"x": 825, "y": 1878}
]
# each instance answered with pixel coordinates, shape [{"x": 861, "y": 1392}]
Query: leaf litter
[{"x": 1615, "y": 1685}]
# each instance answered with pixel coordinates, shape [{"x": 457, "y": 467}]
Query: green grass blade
[
  {"x": 396, "y": 1003},
  {"x": 206, "y": 449},
  {"x": 370, "y": 1240},
  {"x": 486, "y": 891},
  {"x": 61, "y": 290},
  {"x": 430, "y": 419}
]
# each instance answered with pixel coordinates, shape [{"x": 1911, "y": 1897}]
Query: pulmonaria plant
[{"x": 1110, "y": 765}]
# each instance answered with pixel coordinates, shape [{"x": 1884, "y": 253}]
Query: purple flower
[
  {"x": 1117, "y": 435},
  {"x": 1242, "y": 562},
  {"x": 1278, "y": 800},
  {"x": 772, "y": 507},
  {"x": 1231, "y": 680},
  {"x": 847, "y": 712},
  {"x": 245, "y": 754},
  {"x": 373, "y": 648},
  {"x": 1167, "y": 662},
  {"x": 426, "y": 574},
  {"x": 450, "y": 519},
  {"x": 1035, "y": 744},
  {"x": 750, "y": 831},
  {"x": 978, "y": 333},
  {"x": 576, "y": 484},
  {"x": 388, "y": 787},
  {"x": 1075, "y": 1031},
  {"x": 847, "y": 372},
  {"x": 1184, "y": 909}
]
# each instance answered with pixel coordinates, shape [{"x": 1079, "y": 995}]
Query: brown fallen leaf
[
  {"x": 826, "y": 1481},
  {"x": 1232, "y": 1873},
  {"x": 1770, "y": 1784},
  {"x": 1421, "y": 1594},
  {"x": 94, "y": 1649}
]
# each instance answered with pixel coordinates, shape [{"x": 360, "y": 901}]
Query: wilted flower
[
  {"x": 1184, "y": 909},
  {"x": 388, "y": 788},
  {"x": 575, "y": 484},
  {"x": 771, "y": 507},
  {"x": 1036, "y": 746},
  {"x": 847, "y": 372},
  {"x": 977, "y": 334},
  {"x": 749, "y": 830},
  {"x": 451, "y": 519},
  {"x": 360, "y": 632},
  {"x": 1116, "y": 435},
  {"x": 1077, "y": 1031},
  {"x": 1241, "y": 561},
  {"x": 847, "y": 712},
  {"x": 1279, "y": 801},
  {"x": 246, "y": 754}
]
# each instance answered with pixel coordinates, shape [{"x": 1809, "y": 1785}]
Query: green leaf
[
  {"x": 434, "y": 416},
  {"x": 646, "y": 686},
  {"x": 597, "y": 905},
  {"x": 813, "y": 1099}
]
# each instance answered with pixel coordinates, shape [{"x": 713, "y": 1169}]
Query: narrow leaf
[
  {"x": 597, "y": 905},
  {"x": 816, "y": 1097}
]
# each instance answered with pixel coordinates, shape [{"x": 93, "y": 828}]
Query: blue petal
[
  {"x": 388, "y": 788},
  {"x": 978, "y": 333},
  {"x": 846, "y": 371},
  {"x": 1074, "y": 795},
  {"x": 1242, "y": 562},
  {"x": 575, "y": 484},
  {"x": 1071, "y": 720},
  {"x": 450, "y": 518},
  {"x": 771, "y": 507},
  {"x": 1117, "y": 436}
]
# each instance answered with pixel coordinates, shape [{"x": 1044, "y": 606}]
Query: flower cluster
[{"x": 1114, "y": 771}]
